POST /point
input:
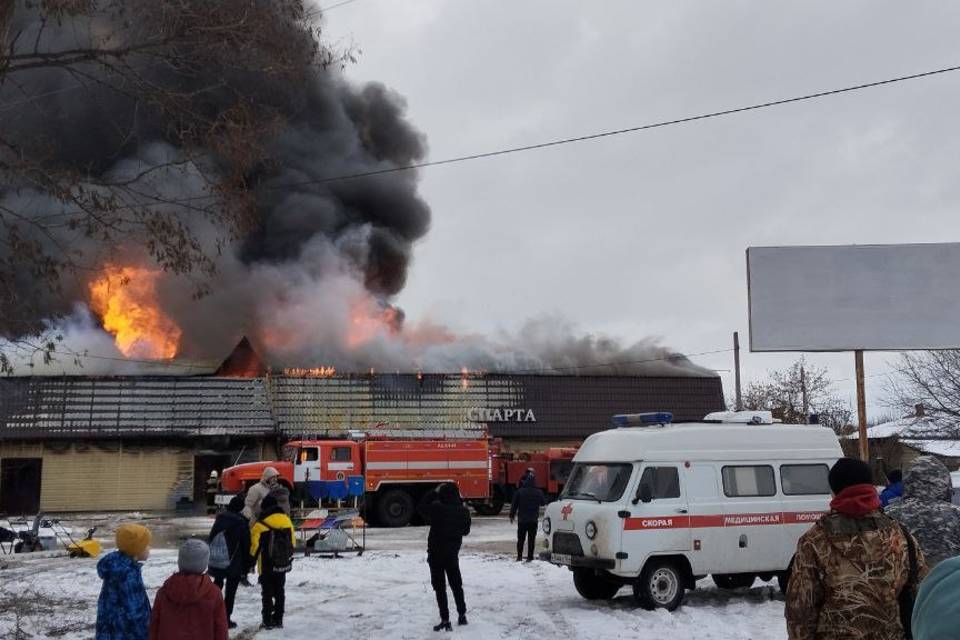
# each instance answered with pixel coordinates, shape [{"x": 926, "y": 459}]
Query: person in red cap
[{"x": 852, "y": 566}]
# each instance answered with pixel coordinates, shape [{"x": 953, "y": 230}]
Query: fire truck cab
[
  {"x": 657, "y": 506},
  {"x": 326, "y": 469}
]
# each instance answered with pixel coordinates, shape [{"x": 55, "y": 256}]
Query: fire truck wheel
[
  {"x": 593, "y": 586},
  {"x": 492, "y": 508},
  {"x": 395, "y": 508},
  {"x": 660, "y": 586},
  {"x": 734, "y": 580}
]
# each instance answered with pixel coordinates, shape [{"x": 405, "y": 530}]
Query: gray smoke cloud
[{"x": 312, "y": 281}]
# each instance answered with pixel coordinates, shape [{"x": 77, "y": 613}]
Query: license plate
[
  {"x": 561, "y": 558},
  {"x": 222, "y": 499}
]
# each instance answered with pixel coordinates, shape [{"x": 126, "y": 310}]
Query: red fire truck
[
  {"x": 390, "y": 475},
  {"x": 551, "y": 469}
]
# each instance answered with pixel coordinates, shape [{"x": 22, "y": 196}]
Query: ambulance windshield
[{"x": 597, "y": 481}]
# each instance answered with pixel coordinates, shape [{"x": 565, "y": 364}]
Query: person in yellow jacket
[{"x": 272, "y": 541}]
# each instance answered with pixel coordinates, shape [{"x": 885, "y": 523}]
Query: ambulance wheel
[
  {"x": 661, "y": 586},
  {"x": 593, "y": 586},
  {"x": 734, "y": 580},
  {"x": 395, "y": 508}
]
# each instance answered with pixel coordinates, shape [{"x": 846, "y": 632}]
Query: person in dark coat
[
  {"x": 236, "y": 531},
  {"x": 449, "y": 521},
  {"x": 525, "y": 508}
]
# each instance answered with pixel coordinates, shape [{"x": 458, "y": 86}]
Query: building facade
[{"x": 149, "y": 443}]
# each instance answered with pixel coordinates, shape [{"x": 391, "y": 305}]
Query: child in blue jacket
[{"x": 123, "y": 610}]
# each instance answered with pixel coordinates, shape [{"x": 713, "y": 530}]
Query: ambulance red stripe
[{"x": 721, "y": 520}]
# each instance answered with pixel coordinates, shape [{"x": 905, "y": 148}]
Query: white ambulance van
[{"x": 657, "y": 506}]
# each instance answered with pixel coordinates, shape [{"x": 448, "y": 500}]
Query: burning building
[{"x": 81, "y": 443}]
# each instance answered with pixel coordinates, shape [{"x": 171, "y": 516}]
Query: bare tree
[
  {"x": 174, "y": 71},
  {"x": 782, "y": 392},
  {"x": 930, "y": 379}
]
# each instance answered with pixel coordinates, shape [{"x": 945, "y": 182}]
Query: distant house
[{"x": 895, "y": 444}]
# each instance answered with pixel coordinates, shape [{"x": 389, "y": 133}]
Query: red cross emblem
[{"x": 566, "y": 510}]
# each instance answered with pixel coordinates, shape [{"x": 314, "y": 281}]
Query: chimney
[{"x": 919, "y": 411}]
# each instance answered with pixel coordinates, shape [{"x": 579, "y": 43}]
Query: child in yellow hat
[{"x": 123, "y": 610}]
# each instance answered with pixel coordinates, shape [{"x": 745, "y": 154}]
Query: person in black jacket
[
  {"x": 236, "y": 531},
  {"x": 526, "y": 509},
  {"x": 449, "y": 521}
]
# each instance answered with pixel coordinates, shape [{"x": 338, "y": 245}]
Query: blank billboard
[{"x": 869, "y": 297}]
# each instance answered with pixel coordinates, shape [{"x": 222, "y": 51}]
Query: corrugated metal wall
[
  {"x": 109, "y": 478},
  {"x": 101, "y": 479}
]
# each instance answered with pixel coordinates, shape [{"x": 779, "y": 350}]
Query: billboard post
[
  {"x": 736, "y": 367},
  {"x": 861, "y": 407}
]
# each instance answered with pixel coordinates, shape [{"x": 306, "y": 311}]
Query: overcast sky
[{"x": 644, "y": 234}]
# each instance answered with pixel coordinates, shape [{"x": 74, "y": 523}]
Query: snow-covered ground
[{"x": 386, "y": 593}]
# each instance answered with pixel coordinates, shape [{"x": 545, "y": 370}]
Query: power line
[
  {"x": 561, "y": 141},
  {"x": 643, "y": 127},
  {"x": 330, "y": 8}
]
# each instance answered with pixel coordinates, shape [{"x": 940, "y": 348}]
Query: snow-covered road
[{"x": 386, "y": 594}]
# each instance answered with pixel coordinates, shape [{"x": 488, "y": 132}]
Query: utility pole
[
  {"x": 861, "y": 407},
  {"x": 803, "y": 395},
  {"x": 736, "y": 369}
]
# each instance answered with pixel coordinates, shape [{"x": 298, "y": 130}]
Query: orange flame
[
  {"x": 313, "y": 372},
  {"x": 125, "y": 298},
  {"x": 368, "y": 320}
]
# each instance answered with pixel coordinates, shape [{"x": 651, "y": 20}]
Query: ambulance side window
[
  {"x": 748, "y": 481},
  {"x": 664, "y": 482},
  {"x": 804, "y": 479}
]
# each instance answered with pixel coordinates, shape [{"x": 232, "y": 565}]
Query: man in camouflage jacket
[
  {"x": 926, "y": 509},
  {"x": 851, "y": 566}
]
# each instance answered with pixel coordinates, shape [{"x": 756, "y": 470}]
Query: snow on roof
[
  {"x": 927, "y": 435},
  {"x": 905, "y": 428},
  {"x": 945, "y": 448}
]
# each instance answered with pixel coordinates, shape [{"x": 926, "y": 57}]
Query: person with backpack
[
  {"x": 229, "y": 541},
  {"x": 188, "y": 605},
  {"x": 272, "y": 541},
  {"x": 525, "y": 508},
  {"x": 449, "y": 521},
  {"x": 856, "y": 570}
]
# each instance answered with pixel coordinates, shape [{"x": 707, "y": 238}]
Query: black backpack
[{"x": 277, "y": 549}]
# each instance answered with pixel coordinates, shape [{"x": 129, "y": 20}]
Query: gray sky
[{"x": 644, "y": 234}]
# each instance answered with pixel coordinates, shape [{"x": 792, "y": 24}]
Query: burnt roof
[
  {"x": 105, "y": 407},
  {"x": 568, "y": 407}
]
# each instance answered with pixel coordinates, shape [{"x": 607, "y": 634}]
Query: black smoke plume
[{"x": 311, "y": 278}]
